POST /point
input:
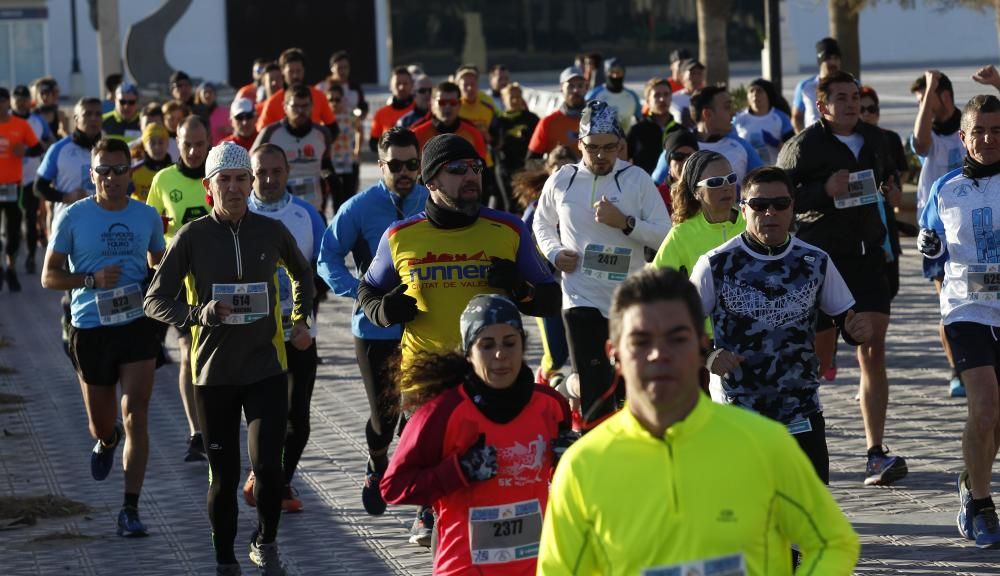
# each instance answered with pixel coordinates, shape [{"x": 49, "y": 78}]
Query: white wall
[
  {"x": 197, "y": 44},
  {"x": 892, "y": 35}
]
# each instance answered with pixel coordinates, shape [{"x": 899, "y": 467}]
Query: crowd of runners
[{"x": 691, "y": 268}]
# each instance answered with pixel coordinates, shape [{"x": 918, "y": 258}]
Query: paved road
[{"x": 44, "y": 449}]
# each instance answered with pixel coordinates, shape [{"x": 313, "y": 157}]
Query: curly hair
[
  {"x": 527, "y": 186},
  {"x": 428, "y": 375},
  {"x": 683, "y": 201}
]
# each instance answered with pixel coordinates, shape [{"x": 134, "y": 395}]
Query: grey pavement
[{"x": 44, "y": 449}]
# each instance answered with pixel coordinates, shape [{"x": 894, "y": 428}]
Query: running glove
[
  {"x": 479, "y": 462},
  {"x": 929, "y": 243},
  {"x": 504, "y": 275},
  {"x": 562, "y": 442},
  {"x": 397, "y": 307}
]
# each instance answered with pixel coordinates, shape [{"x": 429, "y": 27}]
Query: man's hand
[
  {"x": 19, "y": 149},
  {"x": 725, "y": 362},
  {"x": 988, "y": 76},
  {"x": 893, "y": 195},
  {"x": 300, "y": 338},
  {"x": 931, "y": 77},
  {"x": 214, "y": 313},
  {"x": 858, "y": 327},
  {"x": 929, "y": 243},
  {"x": 608, "y": 214},
  {"x": 107, "y": 277},
  {"x": 397, "y": 307},
  {"x": 567, "y": 260},
  {"x": 836, "y": 184},
  {"x": 504, "y": 275}
]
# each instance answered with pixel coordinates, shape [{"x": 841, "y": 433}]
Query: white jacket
[{"x": 564, "y": 220}]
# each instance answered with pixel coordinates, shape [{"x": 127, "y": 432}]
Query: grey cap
[{"x": 570, "y": 73}]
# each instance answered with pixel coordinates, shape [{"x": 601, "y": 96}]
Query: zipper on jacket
[
  {"x": 236, "y": 244},
  {"x": 673, "y": 474}
]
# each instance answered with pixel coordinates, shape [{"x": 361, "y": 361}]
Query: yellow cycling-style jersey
[
  {"x": 179, "y": 198},
  {"x": 724, "y": 485}
]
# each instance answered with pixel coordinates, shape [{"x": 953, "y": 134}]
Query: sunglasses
[
  {"x": 447, "y": 102},
  {"x": 396, "y": 166},
  {"x": 424, "y": 90},
  {"x": 244, "y": 117},
  {"x": 607, "y": 148},
  {"x": 718, "y": 181},
  {"x": 461, "y": 167},
  {"x": 869, "y": 109},
  {"x": 679, "y": 156},
  {"x": 118, "y": 169},
  {"x": 127, "y": 102},
  {"x": 762, "y": 204}
]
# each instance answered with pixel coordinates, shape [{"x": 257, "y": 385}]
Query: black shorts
[
  {"x": 973, "y": 345},
  {"x": 867, "y": 278},
  {"x": 97, "y": 353}
]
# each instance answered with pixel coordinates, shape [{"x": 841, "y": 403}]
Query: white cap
[
  {"x": 241, "y": 106},
  {"x": 226, "y": 156}
]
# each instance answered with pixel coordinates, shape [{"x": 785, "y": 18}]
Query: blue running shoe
[
  {"x": 964, "y": 520},
  {"x": 129, "y": 524},
  {"x": 955, "y": 388},
  {"x": 102, "y": 458},
  {"x": 987, "y": 528},
  {"x": 883, "y": 470}
]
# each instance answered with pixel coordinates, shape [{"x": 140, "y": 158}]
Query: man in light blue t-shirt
[
  {"x": 99, "y": 251},
  {"x": 804, "y": 111}
]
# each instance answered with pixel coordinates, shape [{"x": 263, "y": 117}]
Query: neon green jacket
[{"x": 722, "y": 482}]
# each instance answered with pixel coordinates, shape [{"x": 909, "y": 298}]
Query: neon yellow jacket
[
  {"x": 687, "y": 241},
  {"x": 723, "y": 481}
]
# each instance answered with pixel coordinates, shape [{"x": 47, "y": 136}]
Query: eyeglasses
[
  {"x": 300, "y": 107},
  {"x": 680, "y": 156},
  {"x": 244, "y": 117},
  {"x": 396, "y": 166},
  {"x": 762, "y": 204},
  {"x": 718, "y": 181},
  {"x": 447, "y": 101},
  {"x": 127, "y": 102},
  {"x": 873, "y": 109},
  {"x": 118, "y": 169},
  {"x": 461, "y": 167},
  {"x": 596, "y": 149},
  {"x": 424, "y": 90}
]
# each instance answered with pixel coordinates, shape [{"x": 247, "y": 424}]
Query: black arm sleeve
[
  {"x": 546, "y": 300},
  {"x": 35, "y": 151},
  {"x": 838, "y": 321},
  {"x": 371, "y": 303},
  {"x": 45, "y": 190},
  {"x": 534, "y": 156}
]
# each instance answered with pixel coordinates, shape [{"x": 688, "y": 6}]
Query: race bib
[
  {"x": 9, "y": 192},
  {"x": 249, "y": 301},
  {"x": 119, "y": 305},
  {"x": 731, "y": 565},
  {"x": 800, "y": 427},
  {"x": 505, "y": 533},
  {"x": 306, "y": 187},
  {"x": 861, "y": 190},
  {"x": 982, "y": 281},
  {"x": 132, "y": 134},
  {"x": 606, "y": 262}
]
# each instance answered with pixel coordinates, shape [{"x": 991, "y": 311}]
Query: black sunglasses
[
  {"x": 395, "y": 166},
  {"x": 873, "y": 109},
  {"x": 118, "y": 169},
  {"x": 680, "y": 156},
  {"x": 424, "y": 90},
  {"x": 244, "y": 116},
  {"x": 758, "y": 204},
  {"x": 128, "y": 102},
  {"x": 461, "y": 167}
]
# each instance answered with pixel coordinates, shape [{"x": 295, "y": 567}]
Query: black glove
[
  {"x": 929, "y": 243},
  {"x": 562, "y": 442},
  {"x": 397, "y": 307},
  {"x": 505, "y": 275},
  {"x": 479, "y": 462}
]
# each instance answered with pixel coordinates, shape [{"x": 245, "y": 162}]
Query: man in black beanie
[
  {"x": 429, "y": 266},
  {"x": 804, "y": 111}
]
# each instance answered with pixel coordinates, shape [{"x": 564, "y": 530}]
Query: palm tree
[
  {"x": 713, "y": 19},
  {"x": 843, "y": 17}
]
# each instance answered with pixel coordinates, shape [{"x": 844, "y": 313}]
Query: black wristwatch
[
  {"x": 89, "y": 281},
  {"x": 629, "y": 225}
]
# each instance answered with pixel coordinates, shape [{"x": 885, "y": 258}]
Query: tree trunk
[
  {"x": 843, "y": 16},
  {"x": 996, "y": 10},
  {"x": 713, "y": 19}
]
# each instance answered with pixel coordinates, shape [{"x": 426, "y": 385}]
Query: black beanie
[
  {"x": 677, "y": 138},
  {"x": 827, "y": 48},
  {"x": 442, "y": 149}
]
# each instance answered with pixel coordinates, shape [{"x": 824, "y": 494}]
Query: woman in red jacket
[{"x": 481, "y": 446}]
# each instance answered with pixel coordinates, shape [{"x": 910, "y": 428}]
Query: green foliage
[{"x": 739, "y": 96}]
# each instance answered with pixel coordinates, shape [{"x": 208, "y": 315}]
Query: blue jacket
[{"x": 357, "y": 229}]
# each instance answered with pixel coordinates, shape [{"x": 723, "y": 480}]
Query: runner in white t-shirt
[{"x": 804, "y": 111}]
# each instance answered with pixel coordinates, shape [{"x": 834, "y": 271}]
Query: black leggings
[
  {"x": 11, "y": 212},
  {"x": 586, "y": 333},
  {"x": 373, "y": 360},
  {"x": 813, "y": 443},
  {"x": 265, "y": 404},
  {"x": 29, "y": 202},
  {"x": 301, "y": 379}
]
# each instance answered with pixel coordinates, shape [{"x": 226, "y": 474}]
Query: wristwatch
[
  {"x": 629, "y": 225},
  {"x": 89, "y": 281}
]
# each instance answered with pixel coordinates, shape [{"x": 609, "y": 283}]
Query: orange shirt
[
  {"x": 274, "y": 109},
  {"x": 553, "y": 130},
  {"x": 12, "y": 132},
  {"x": 426, "y": 130},
  {"x": 386, "y": 117},
  {"x": 248, "y": 91}
]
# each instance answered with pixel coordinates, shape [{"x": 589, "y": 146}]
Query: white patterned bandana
[
  {"x": 599, "y": 118},
  {"x": 226, "y": 156},
  {"x": 486, "y": 310}
]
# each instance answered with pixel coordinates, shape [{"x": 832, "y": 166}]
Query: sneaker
[
  {"x": 13, "y": 284},
  {"x": 196, "y": 449},
  {"x": 248, "y": 490},
  {"x": 371, "y": 496},
  {"x": 129, "y": 524},
  {"x": 423, "y": 527},
  {"x": 831, "y": 374},
  {"x": 987, "y": 528},
  {"x": 265, "y": 557},
  {"x": 228, "y": 570},
  {"x": 955, "y": 388},
  {"x": 290, "y": 500},
  {"x": 883, "y": 470},
  {"x": 964, "y": 519},
  {"x": 102, "y": 458}
]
